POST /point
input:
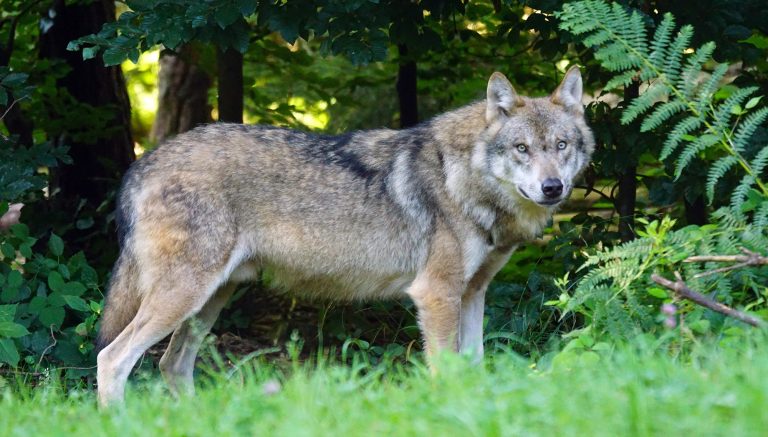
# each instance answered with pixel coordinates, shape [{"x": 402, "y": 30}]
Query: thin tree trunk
[
  {"x": 406, "y": 89},
  {"x": 182, "y": 94},
  {"x": 230, "y": 85},
  {"x": 696, "y": 211},
  {"x": 627, "y": 195},
  {"x": 97, "y": 165}
]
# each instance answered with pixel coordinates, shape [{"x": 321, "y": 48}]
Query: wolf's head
[{"x": 534, "y": 148}]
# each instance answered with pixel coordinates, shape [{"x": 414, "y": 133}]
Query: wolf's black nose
[{"x": 552, "y": 187}]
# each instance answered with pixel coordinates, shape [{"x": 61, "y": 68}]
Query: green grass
[{"x": 624, "y": 392}]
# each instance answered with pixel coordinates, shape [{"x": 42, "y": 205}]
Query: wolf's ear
[
  {"x": 569, "y": 92},
  {"x": 501, "y": 98}
]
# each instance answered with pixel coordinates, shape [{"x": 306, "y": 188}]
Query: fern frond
[
  {"x": 693, "y": 67},
  {"x": 642, "y": 103},
  {"x": 660, "y": 42},
  {"x": 701, "y": 144},
  {"x": 723, "y": 113},
  {"x": 739, "y": 194},
  {"x": 661, "y": 114},
  {"x": 615, "y": 57},
  {"x": 707, "y": 89},
  {"x": 674, "y": 60},
  {"x": 622, "y": 79},
  {"x": 634, "y": 33},
  {"x": 761, "y": 221},
  {"x": 760, "y": 161},
  {"x": 598, "y": 38},
  {"x": 718, "y": 170},
  {"x": 681, "y": 129},
  {"x": 747, "y": 128}
]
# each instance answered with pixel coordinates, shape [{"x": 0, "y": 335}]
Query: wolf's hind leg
[
  {"x": 178, "y": 362},
  {"x": 162, "y": 310}
]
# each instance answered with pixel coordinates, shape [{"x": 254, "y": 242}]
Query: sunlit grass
[{"x": 627, "y": 392}]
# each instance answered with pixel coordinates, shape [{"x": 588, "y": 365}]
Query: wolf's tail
[{"x": 122, "y": 302}]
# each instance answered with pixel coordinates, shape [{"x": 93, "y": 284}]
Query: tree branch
[
  {"x": 681, "y": 289},
  {"x": 749, "y": 259}
]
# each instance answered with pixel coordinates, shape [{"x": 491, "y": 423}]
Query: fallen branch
[{"x": 681, "y": 289}]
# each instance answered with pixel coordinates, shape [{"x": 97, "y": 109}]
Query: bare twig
[
  {"x": 749, "y": 259},
  {"x": 13, "y": 103},
  {"x": 681, "y": 289},
  {"x": 50, "y": 346}
]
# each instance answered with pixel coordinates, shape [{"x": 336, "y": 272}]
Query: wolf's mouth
[{"x": 540, "y": 202}]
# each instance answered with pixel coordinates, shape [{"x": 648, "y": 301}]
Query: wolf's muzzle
[{"x": 552, "y": 188}]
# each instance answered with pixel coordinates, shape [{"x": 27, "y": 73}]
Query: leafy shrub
[
  {"x": 49, "y": 302},
  {"x": 619, "y": 298},
  {"x": 615, "y": 293}
]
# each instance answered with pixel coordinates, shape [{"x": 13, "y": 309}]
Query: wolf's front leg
[
  {"x": 471, "y": 325},
  {"x": 473, "y": 303},
  {"x": 438, "y": 304}
]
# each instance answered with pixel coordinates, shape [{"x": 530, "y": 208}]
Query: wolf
[{"x": 431, "y": 212}]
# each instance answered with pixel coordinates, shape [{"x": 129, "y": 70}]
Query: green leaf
[
  {"x": 8, "y": 251},
  {"x": 56, "y": 299},
  {"x": 12, "y": 330},
  {"x": 89, "y": 277},
  {"x": 247, "y": 7},
  {"x": 84, "y": 223},
  {"x": 55, "y": 281},
  {"x": 14, "y": 80},
  {"x": 658, "y": 292},
  {"x": 15, "y": 279},
  {"x": 26, "y": 250},
  {"x": 90, "y": 52},
  {"x": 226, "y": 15},
  {"x": 95, "y": 307},
  {"x": 114, "y": 56},
  {"x": 73, "y": 288},
  {"x": 20, "y": 230},
  {"x": 7, "y": 313},
  {"x": 81, "y": 329},
  {"x": 36, "y": 304},
  {"x": 753, "y": 102},
  {"x": 757, "y": 40},
  {"x": 8, "y": 352},
  {"x": 52, "y": 316},
  {"x": 64, "y": 270},
  {"x": 56, "y": 245},
  {"x": 76, "y": 303}
]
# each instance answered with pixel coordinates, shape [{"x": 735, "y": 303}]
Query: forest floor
[{"x": 627, "y": 391}]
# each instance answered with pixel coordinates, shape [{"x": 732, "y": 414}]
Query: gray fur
[{"x": 430, "y": 212}]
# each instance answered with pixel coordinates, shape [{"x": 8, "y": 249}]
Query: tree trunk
[
  {"x": 627, "y": 196},
  {"x": 229, "y": 64},
  {"x": 696, "y": 211},
  {"x": 182, "y": 94},
  {"x": 98, "y": 165},
  {"x": 406, "y": 89}
]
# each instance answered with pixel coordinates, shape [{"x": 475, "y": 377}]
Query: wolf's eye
[
  {"x": 522, "y": 148},
  {"x": 561, "y": 145}
]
